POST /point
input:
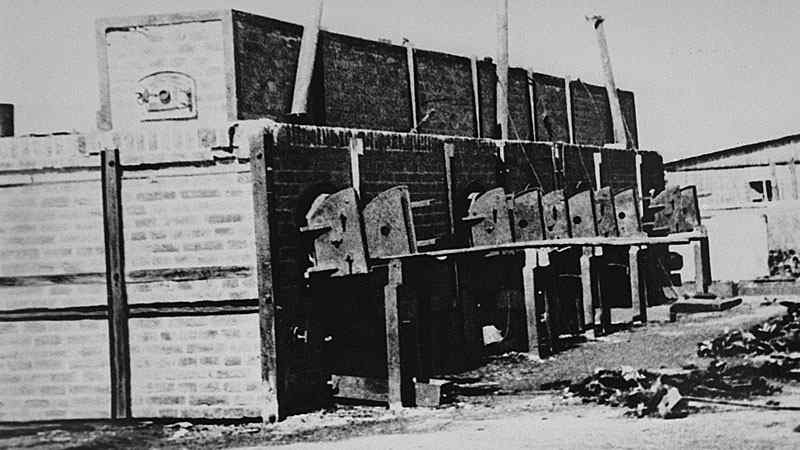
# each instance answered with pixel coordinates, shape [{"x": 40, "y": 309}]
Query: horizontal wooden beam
[
  {"x": 598, "y": 241},
  {"x": 144, "y": 276},
  {"x": 201, "y": 308}
]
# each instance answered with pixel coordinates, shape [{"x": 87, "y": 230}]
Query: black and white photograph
[{"x": 416, "y": 224}]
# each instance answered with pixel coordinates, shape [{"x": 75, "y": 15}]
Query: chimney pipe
[
  {"x": 620, "y": 136},
  {"x": 6, "y": 120}
]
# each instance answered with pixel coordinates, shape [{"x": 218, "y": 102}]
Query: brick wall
[
  {"x": 200, "y": 219},
  {"x": 54, "y": 370},
  {"x": 487, "y": 94},
  {"x": 266, "y": 62},
  {"x": 519, "y": 105},
  {"x": 578, "y": 164},
  {"x": 356, "y": 82},
  {"x": 204, "y": 366},
  {"x": 551, "y": 108},
  {"x": 591, "y": 114},
  {"x": 444, "y": 84},
  {"x": 529, "y": 165},
  {"x": 193, "y": 48},
  {"x": 366, "y": 83},
  {"x": 617, "y": 168}
]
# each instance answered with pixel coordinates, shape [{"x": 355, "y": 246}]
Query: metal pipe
[
  {"x": 502, "y": 67},
  {"x": 620, "y": 136},
  {"x": 305, "y": 62},
  {"x": 6, "y": 119}
]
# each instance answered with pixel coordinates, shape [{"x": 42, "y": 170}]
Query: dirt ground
[{"x": 511, "y": 411}]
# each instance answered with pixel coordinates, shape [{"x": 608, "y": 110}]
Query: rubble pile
[
  {"x": 773, "y": 345},
  {"x": 661, "y": 393}
]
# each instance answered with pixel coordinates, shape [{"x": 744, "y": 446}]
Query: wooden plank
[
  {"x": 412, "y": 84},
  {"x": 390, "y": 302},
  {"x": 73, "y": 313},
  {"x": 529, "y": 294},
  {"x": 476, "y": 99},
  {"x": 115, "y": 285},
  {"x": 702, "y": 266},
  {"x": 198, "y": 308},
  {"x": 587, "y": 306},
  {"x": 273, "y": 379},
  {"x": 639, "y": 307}
]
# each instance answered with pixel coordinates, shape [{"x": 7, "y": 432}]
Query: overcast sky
[{"x": 706, "y": 74}]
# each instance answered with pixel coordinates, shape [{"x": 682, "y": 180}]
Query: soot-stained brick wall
[
  {"x": 628, "y": 106},
  {"x": 266, "y": 63},
  {"x": 578, "y": 164},
  {"x": 591, "y": 114},
  {"x": 529, "y": 165},
  {"x": 366, "y": 83},
  {"x": 356, "y": 82},
  {"x": 487, "y": 93},
  {"x": 551, "y": 108},
  {"x": 519, "y": 105},
  {"x": 652, "y": 172},
  {"x": 618, "y": 168},
  {"x": 444, "y": 84}
]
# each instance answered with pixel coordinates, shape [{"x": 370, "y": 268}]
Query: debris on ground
[
  {"x": 661, "y": 393},
  {"x": 774, "y": 343}
]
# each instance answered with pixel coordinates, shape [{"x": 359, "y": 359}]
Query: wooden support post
[
  {"x": 115, "y": 285},
  {"x": 476, "y": 95},
  {"x": 589, "y": 322},
  {"x": 568, "y": 96},
  {"x": 638, "y": 304},
  {"x": 272, "y": 379},
  {"x": 529, "y": 295},
  {"x": 620, "y": 136},
  {"x": 393, "y": 363},
  {"x": 502, "y": 68},
  {"x": 356, "y": 150},
  {"x": 773, "y": 174},
  {"x": 550, "y": 306},
  {"x": 793, "y": 175},
  {"x": 305, "y": 62},
  {"x": 412, "y": 83},
  {"x": 532, "y": 102}
]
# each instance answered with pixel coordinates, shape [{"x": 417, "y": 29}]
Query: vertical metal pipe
[
  {"x": 502, "y": 67},
  {"x": 6, "y": 119},
  {"x": 305, "y": 62},
  {"x": 620, "y": 137}
]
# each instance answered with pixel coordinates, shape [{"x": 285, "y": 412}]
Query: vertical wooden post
[
  {"x": 390, "y": 303},
  {"x": 776, "y": 191},
  {"x": 271, "y": 377},
  {"x": 568, "y": 96},
  {"x": 305, "y": 62},
  {"x": 793, "y": 175},
  {"x": 620, "y": 136},
  {"x": 115, "y": 285},
  {"x": 638, "y": 304},
  {"x": 589, "y": 323},
  {"x": 550, "y": 308},
  {"x": 502, "y": 68},
  {"x": 412, "y": 84},
  {"x": 356, "y": 149},
  {"x": 532, "y": 102},
  {"x": 702, "y": 265},
  {"x": 476, "y": 95},
  {"x": 529, "y": 295}
]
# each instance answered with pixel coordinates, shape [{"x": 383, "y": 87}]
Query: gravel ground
[{"x": 516, "y": 415}]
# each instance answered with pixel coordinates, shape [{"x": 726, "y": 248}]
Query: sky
[{"x": 706, "y": 74}]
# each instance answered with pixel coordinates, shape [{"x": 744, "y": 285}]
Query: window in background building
[{"x": 761, "y": 190}]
